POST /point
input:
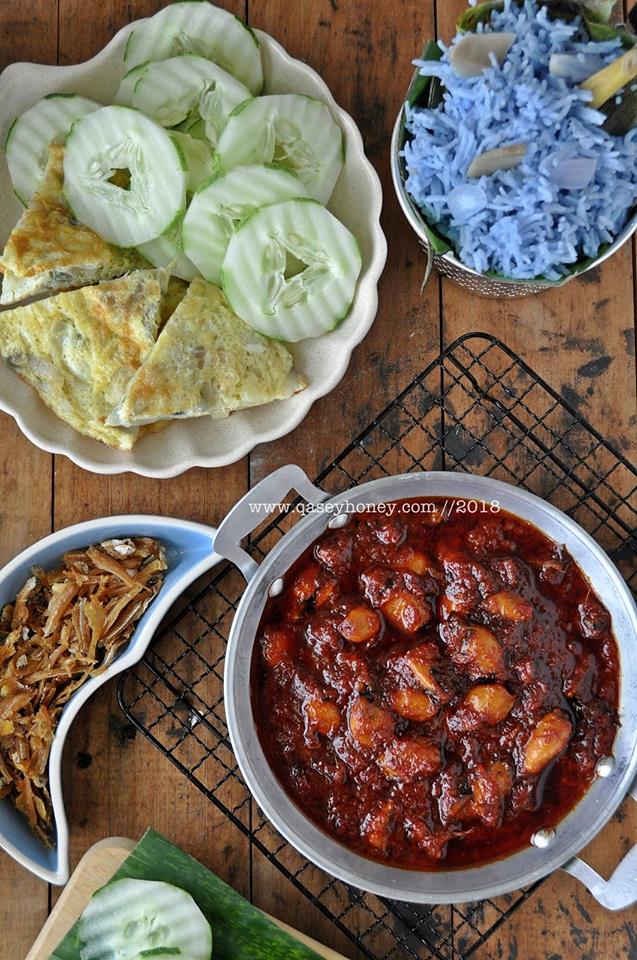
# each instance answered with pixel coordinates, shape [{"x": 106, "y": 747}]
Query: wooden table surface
[{"x": 580, "y": 338}]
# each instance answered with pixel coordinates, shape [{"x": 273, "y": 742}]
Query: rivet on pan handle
[
  {"x": 254, "y": 507},
  {"x": 620, "y": 891}
]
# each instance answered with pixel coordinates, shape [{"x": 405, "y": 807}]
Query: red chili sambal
[{"x": 435, "y": 683}]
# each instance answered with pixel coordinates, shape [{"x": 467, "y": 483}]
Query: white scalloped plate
[{"x": 357, "y": 201}]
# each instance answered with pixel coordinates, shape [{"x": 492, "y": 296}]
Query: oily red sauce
[{"x": 432, "y": 687}]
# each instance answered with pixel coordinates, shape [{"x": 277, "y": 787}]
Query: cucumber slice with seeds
[
  {"x": 124, "y": 95},
  {"x": 117, "y": 145},
  {"x": 195, "y": 26},
  {"x": 199, "y": 159},
  {"x": 193, "y": 126},
  {"x": 188, "y": 88},
  {"x": 27, "y": 145},
  {"x": 128, "y": 919},
  {"x": 295, "y": 131},
  {"x": 261, "y": 276},
  {"x": 167, "y": 251},
  {"x": 217, "y": 209}
]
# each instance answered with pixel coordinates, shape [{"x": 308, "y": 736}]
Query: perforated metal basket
[{"x": 449, "y": 265}]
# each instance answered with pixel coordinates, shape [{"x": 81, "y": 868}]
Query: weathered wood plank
[
  {"x": 28, "y": 35},
  {"x": 363, "y": 51},
  {"x": 25, "y": 488},
  {"x": 580, "y": 338},
  {"x": 25, "y": 516},
  {"x": 117, "y": 782}
]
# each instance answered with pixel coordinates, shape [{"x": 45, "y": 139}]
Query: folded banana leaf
[
  {"x": 469, "y": 20},
  {"x": 424, "y": 92},
  {"x": 240, "y": 931},
  {"x": 622, "y": 116},
  {"x": 595, "y": 13}
]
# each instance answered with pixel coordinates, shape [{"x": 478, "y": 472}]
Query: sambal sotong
[{"x": 435, "y": 683}]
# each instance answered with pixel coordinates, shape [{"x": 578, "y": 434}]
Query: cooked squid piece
[
  {"x": 549, "y": 739},
  {"x": 321, "y": 716},
  {"x": 409, "y": 759},
  {"x": 369, "y": 724},
  {"x": 414, "y": 705},
  {"x": 420, "y": 663},
  {"x": 361, "y": 624},
  {"x": 65, "y": 626},
  {"x": 509, "y": 606},
  {"x": 485, "y": 704},
  {"x": 474, "y": 648},
  {"x": 422, "y": 690},
  {"x": 378, "y": 825},
  {"x": 406, "y": 612}
]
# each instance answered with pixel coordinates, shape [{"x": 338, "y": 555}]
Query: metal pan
[{"x": 552, "y": 850}]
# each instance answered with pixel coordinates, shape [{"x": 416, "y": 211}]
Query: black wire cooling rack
[{"x": 477, "y": 408}]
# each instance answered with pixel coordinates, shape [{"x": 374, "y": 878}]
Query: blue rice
[{"x": 519, "y": 223}]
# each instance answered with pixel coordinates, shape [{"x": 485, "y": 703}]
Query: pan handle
[
  {"x": 254, "y": 507},
  {"x": 620, "y": 891}
]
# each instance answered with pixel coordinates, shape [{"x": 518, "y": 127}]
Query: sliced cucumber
[
  {"x": 129, "y": 919},
  {"x": 124, "y": 95},
  {"x": 167, "y": 251},
  {"x": 29, "y": 138},
  {"x": 198, "y": 157},
  {"x": 217, "y": 209},
  {"x": 99, "y": 147},
  {"x": 261, "y": 275},
  {"x": 193, "y": 126},
  {"x": 295, "y": 131},
  {"x": 194, "y": 26},
  {"x": 188, "y": 88}
]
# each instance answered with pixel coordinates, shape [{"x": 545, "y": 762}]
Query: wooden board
[
  {"x": 581, "y": 339},
  {"x": 96, "y": 868}
]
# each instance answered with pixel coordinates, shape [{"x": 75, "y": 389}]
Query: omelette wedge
[
  {"x": 206, "y": 362},
  {"x": 80, "y": 349},
  {"x": 49, "y": 251},
  {"x": 175, "y": 293}
]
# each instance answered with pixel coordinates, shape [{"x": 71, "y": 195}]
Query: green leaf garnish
[
  {"x": 419, "y": 84},
  {"x": 606, "y": 31},
  {"x": 469, "y": 20}
]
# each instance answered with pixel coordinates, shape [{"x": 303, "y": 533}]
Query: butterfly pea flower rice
[{"x": 574, "y": 188}]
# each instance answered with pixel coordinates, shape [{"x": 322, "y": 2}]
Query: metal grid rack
[{"x": 477, "y": 408}]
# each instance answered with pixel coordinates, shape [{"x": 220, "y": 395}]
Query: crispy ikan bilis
[
  {"x": 433, "y": 686},
  {"x": 65, "y": 626}
]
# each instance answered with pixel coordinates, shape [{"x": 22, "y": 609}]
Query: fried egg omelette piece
[
  {"x": 80, "y": 349},
  {"x": 49, "y": 251},
  {"x": 175, "y": 293},
  {"x": 206, "y": 362}
]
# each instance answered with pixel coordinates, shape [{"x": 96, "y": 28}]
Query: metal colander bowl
[{"x": 450, "y": 266}]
